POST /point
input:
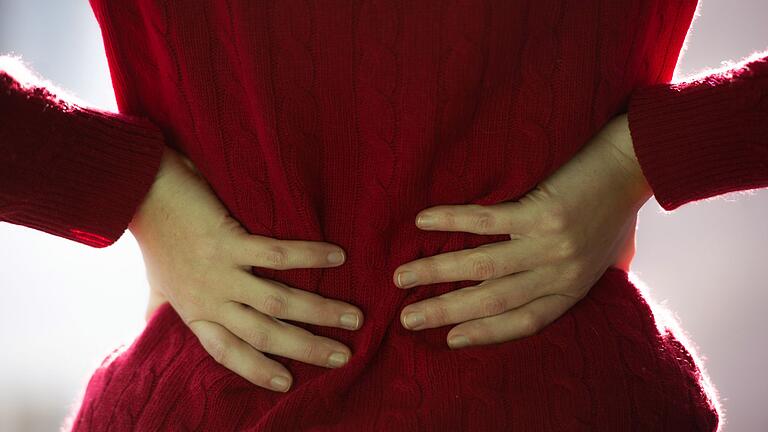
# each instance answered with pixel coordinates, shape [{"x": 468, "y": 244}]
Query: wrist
[
  {"x": 174, "y": 173},
  {"x": 622, "y": 145},
  {"x": 166, "y": 163}
]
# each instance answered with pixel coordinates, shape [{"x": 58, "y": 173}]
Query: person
[{"x": 254, "y": 139}]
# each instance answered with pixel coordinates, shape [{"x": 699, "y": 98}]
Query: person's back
[{"x": 339, "y": 123}]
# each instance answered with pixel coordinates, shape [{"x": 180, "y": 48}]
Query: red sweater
[{"x": 338, "y": 122}]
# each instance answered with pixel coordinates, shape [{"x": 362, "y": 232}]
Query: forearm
[
  {"x": 703, "y": 137},
  {"x": 74, "y": 172}
]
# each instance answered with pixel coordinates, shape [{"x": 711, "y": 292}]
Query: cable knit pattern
[{"x": 339, "y": 121}]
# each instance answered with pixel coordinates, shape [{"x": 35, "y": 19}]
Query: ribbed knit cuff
[
  {"x": 77, "y": 173},
  {"x": 701, "y": 139},
  {"x": 98, "y": 185}
]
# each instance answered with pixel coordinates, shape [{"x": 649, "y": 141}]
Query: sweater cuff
[
  {"x": 74, "y": 172},
  {"x": 96, "y": 186},
  {"x": 704, "y": 138}
]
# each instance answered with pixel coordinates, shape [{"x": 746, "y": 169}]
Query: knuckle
[
  {"x": 556, "y": 218},
  {"x": 494, "y": 305},
  {"x": 430, "y": 266},
  {"x": 218, "y": 350},
  {"x": 449, "y": 218},
  {"x": 438, "y": 313},
  {"x": 259, "y": 339},
  {"x": 276, "y": 256},
  {"x": 530, "y": 324},
  {"x": 274, "y": 305},
  {"x": 483, "y": 266},
  {"x": 310, "y": 351},
  {"x": 568, "y": 247},
  {"x": 483, "y": 220}
]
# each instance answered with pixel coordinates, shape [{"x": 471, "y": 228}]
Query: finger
[
  {"x": 239, "y": 357},
  {"x": 509, "y": 217},
  {"x": 282, "y": 301},
  {"x": 261, "y": 251},
  {"x": 268, "y": 334},
  {"x": 524, "y": 321},
  {"x": 486, "y": 299},
  {"x": 487, "y": 261}
]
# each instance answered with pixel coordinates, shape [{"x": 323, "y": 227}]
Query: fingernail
[
  {"x": 335, "y": 257},
  {"x": 337, "y": 359},
  {"x": 414, "y": 320},
  {"x": 458, "y": 341},
  {"x": 426, "y": 220},
  {"x": 350, "y": 321},
  {"x": 406, "y": 279},
  {"x": 279, "y": 383}
]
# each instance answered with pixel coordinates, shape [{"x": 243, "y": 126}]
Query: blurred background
[{"x": 65, "y": 306}]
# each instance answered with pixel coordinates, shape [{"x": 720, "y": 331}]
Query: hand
[
  {"x": 564, "y": 234},
  {"x": 198, "y": 258}
]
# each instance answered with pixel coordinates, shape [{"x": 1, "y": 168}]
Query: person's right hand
[{"x": 198, "y": 258}]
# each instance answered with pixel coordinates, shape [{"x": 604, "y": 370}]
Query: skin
[
  {"x": 198, "y": 258},
  {"x": 564, "y": 234}
]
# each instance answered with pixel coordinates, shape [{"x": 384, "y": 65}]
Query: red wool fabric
[{"x": 338, "y": 122}]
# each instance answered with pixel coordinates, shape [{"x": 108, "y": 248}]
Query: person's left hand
[{"x": 564, "y": 234}]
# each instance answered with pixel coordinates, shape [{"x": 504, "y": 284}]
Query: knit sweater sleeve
[
  {"x": 74, "y": 172},
  {"x": 703, "y": 137}
]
